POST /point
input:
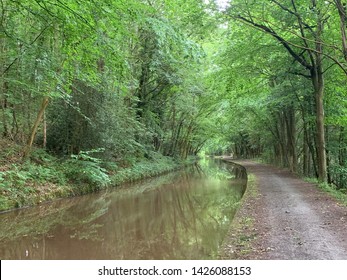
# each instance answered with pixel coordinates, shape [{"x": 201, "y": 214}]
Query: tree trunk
[
  {"x": 281, "y": 134},
  {"x": 318, "y": 83},
  {"x": 342, "y": 158},
  {"x": 34, "y": 129},
  {"x": 342, "y": 147},
  {"x": 44, "y": 130},
  {"x": 5, "y": 132},
  {"x": 342, "y": 14},
  {"x": 306, "y": 160},
  {"x": 289, "y": 115}
]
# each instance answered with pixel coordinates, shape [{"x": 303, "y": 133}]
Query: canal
[{"x": 180, "y": 215}]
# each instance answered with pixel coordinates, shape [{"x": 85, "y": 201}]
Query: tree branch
[
  {"x": 300, "y": 74},
  {"x": 285, "y": 43},
  {"x": 330, "y": 66},
  {"x": 31, "y": 43},
  {"x": 294, "y": 13}
]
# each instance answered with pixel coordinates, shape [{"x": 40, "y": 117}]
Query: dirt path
[{"x": 291, "y": 219}]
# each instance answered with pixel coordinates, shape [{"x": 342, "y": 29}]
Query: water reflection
[{"x": 182, "y": 215}]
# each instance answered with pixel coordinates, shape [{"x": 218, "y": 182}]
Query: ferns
[{"x": 83, "y": 168}]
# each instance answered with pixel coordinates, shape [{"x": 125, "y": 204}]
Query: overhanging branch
[{"x": 285, "y": 43}]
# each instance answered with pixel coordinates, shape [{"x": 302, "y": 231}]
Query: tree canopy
[{"x": 136, "y": 78}]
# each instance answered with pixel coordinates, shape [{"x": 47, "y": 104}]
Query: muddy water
[{"x": 181, "y": 215}]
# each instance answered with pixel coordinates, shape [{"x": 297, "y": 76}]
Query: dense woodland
[{"x": 112, "y": 82}]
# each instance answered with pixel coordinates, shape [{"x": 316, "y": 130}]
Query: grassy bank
[
  {"x": 43, "y": 177},
  {"x": 238, "y": 242}
]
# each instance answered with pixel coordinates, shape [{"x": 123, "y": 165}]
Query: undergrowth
[
  {"x": 339, "y": 194},
  {"x": 44, "y": 177},
  {"x": 146, "y": 168}
]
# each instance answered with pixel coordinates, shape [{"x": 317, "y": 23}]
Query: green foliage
[
  {"x": 338, "y": 176},
  {"x": 110, "y": 71},
  {"x": 265, "y": 92},
  {"x": 45, "y": 177},
  {"x": 85, "y": 169},
  {"x": 142, "y": 79},
  {"x": 335, "y": 191},
  {"x": 158, "y": 164},
  {"x": 30, "y": 183},
  {"x": 120, "y": 75}
]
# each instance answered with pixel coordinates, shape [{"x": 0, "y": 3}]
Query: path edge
[{"x": 239, "y": 242}]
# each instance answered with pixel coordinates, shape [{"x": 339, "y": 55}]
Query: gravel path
[{"x": 293, "y": 219}]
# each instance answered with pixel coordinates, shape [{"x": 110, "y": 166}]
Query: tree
[{"x": 306, "y": 47}]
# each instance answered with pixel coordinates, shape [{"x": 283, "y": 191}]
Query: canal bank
[{"x": 43, "y": 177}]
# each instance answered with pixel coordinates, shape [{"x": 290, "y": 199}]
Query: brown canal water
[{"x": 180, "y": 215}]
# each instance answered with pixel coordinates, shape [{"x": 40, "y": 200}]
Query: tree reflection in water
[{"x": 181, "y": 215}]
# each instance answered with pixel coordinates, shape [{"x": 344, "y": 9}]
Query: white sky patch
[{"x": 222, "y": 4}]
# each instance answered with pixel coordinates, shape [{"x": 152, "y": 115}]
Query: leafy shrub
[
  {"x": 338, "y": 176},
  {"x": 146, "y": 168},
  {"x": 13, "y": 187},
  {"x": 83, "y": 168},
  {"x": 42, "y": 174},
  {"x": 13, "y": 178}
]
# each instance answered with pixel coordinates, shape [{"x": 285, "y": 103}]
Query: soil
[{"x": 284, "y": 217}]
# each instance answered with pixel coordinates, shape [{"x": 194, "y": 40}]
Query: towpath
[{"x": 290, "y": 219}]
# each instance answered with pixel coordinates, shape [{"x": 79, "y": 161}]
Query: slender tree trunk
[
  {"x": 342, "y": 158},
  {"x": 342, "y": 147},
  {"x": 342, "y": 14},
  {"x": 282, "y": 139},
  {"x": 5, "y": 132},
  {"x": 4, "y": 88},
  {"x": 35, "y": 127},
  {"x": 185, "y": 141},
  {"x": 44, "y": 130},
  {"x": 173, "y": 129},
  {"x": 318, "y": 83},
  {"x": 176, "y": 138},
  {"x": 328, "y": 155},
  {"x": 292, "y": 133},
  {"x": 15, "y": 126},
  {"x": 306, "y": 155},
  {"x": 310, "y": 154},
  {"x": 289, "y": 115}
]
